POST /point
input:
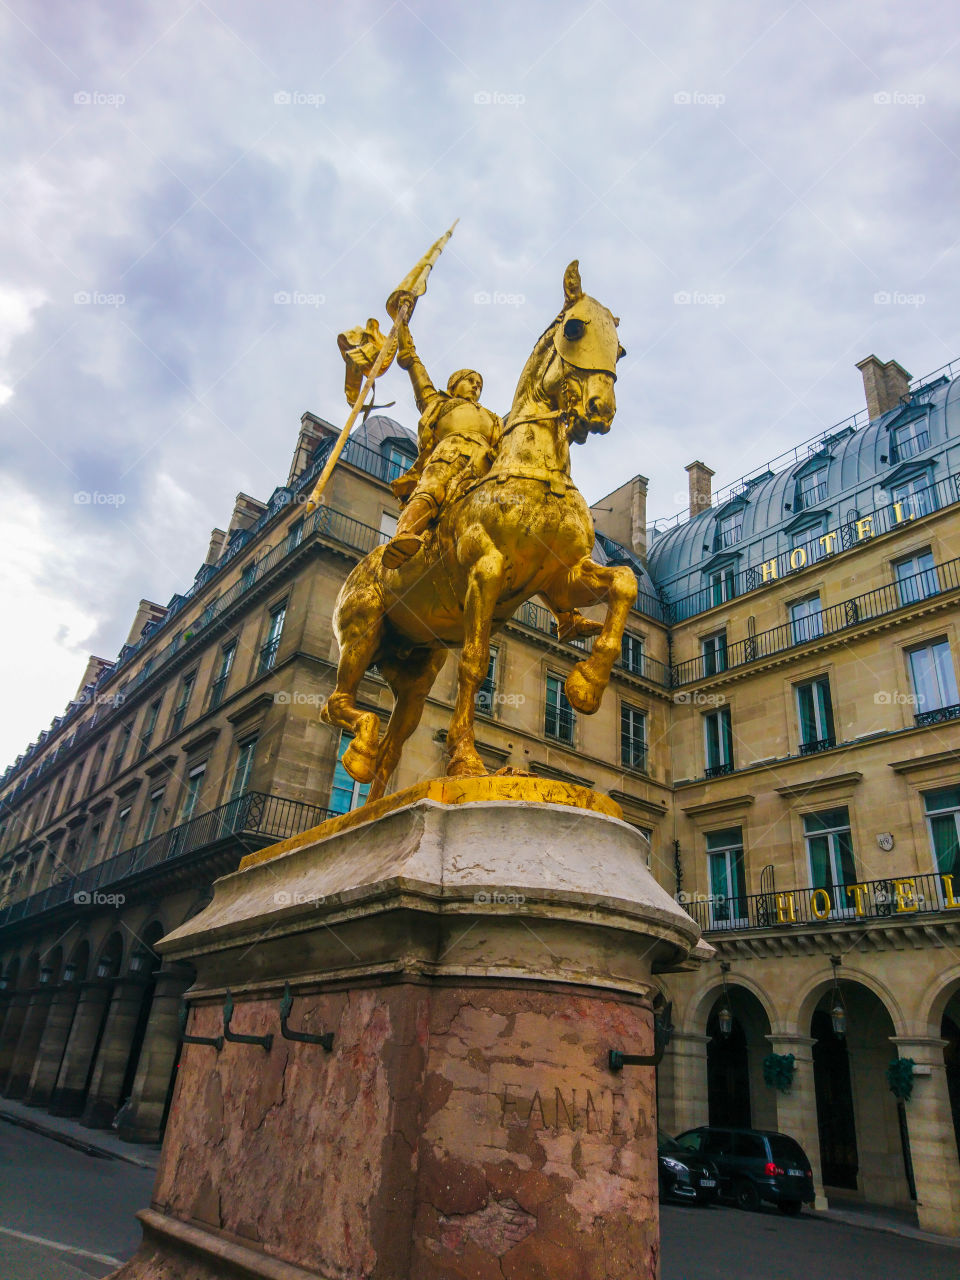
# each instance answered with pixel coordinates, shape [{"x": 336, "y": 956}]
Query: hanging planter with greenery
[
  {"x": 900, "y": 1078},
  {"x": 778, "y": 1069}
]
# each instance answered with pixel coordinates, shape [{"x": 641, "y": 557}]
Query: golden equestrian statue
[{"x": 500, "y": 522}]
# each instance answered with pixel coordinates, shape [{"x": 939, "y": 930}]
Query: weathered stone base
[{"x": 466, "y": 1125}]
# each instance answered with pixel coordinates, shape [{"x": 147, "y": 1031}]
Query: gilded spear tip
[{"x": 414, "y": 283}]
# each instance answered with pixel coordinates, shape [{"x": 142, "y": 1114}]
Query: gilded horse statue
[{"x": 521, "y": 530}]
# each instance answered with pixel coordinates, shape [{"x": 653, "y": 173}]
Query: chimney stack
[
  {"x": 218, "y": 542},
  {"x": 885, "y": 385},
  {"x": 700, "y": 493}
]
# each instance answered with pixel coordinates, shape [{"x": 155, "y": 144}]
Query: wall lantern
[
  {"x": 104, "y": 968},
  {"x": 3, "y": 984},
  {"x": 138, "y": 960},
  {"x": 838, "y": 1014},
  {"x": 70, "y": 972},
  {"x": 46, "y": 973},
  {"x": 724, "y": 1014}
]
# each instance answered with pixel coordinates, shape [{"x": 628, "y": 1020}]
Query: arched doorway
[
  {"x": 950, "y": 1031},
  {"x": 737, "y": 1045},
  {"x": 863, "y": 1142}
]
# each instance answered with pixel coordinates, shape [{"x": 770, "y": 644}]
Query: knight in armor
[{"x": 458, "y": 441}]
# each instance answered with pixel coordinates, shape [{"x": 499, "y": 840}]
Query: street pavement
[
  {"x": 65, "y": 1215},
  {"x": 723, "y": 1243}
]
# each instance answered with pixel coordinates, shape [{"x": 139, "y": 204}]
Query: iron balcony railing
[
  {"x": 253, "y": 813},
  {"x": 910, "y": 447},
  {"x": 817, "y": 744},
  {"x": 540, "y": 619},
  {"x": 718, "y": 770},
  {"x": 899, "y": 898},
  {"x": 839, "y": 617},
  {"x": 939, "y": 715},
  {"x": 807, "y": 498}
]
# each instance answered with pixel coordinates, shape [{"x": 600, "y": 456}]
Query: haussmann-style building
[{"x": 784, "y": 724}]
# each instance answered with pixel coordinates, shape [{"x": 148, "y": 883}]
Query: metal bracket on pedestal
[
  {"x": 234, "y": 1038},
  {"x": 662, "y": 1030},
  {"x": 305, "y": 1037},
  {"x": 215, "y": 1041}
]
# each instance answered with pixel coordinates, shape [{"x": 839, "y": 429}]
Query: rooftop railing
[{"x": 253, "y": 813}]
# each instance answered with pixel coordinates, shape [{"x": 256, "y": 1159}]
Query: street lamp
[
  {"x": 724, "y": 1014},
  {"x": 838, "y": 1014}
]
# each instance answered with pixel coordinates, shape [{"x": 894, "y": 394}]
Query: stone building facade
[{"x": 783, "y": 723}]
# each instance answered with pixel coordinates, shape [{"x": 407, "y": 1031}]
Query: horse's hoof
[
  {"x": 361, "y": 765},
  {"x": 582, "y": 694},
  {"x": 467, "y": 769}
]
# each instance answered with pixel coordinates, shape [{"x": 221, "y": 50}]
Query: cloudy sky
[{"x": 764, "y": 193}]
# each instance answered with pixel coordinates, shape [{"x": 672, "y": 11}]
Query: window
[
  {"x": 123, "y": 737},
  {"x": 346, "y": 793},
  {"x": 192, "y": 791},
  {"x": 728, "y": 893},
  {"x": 487, "y": 693},
  {"x": 92, "y": 844},
  {"x": 934, "y": 682},
  {"x": 830, "y": 854},
  {"x": 808, "y": 541},
  {"x": 153, "y": 812},
  {"x": 268, "y": 651},
  {"x": 631, "y": 653},
  {"x": 910, "y": 439},
  {"x": 388, "y": 526},
  {"x": 241, "y": 772},
  {"x": 811, "y": 489},
  {"x": 123, "y": 818},
  {"x": 815, "y": 713},
  {"x": 729, "y": 529},
  {"x": 558, "y": 713},
  {"x": 714, "y": 652},
  {"x": 248, "y": 575},
  {"x": 397, "y": 462},
  {"x": 183, "y": 702},
  {"x": 916, "y": 577},
  {"x": 295, "y": 534},
  {"x": 943, "y": 817},
  {"x": 723, "y": 585},
  {"x": 149, "y": 724},
  {"x": 633, "y": 737},
  {"x": 917, "y": 497},
  {"x": 218, "y": 688},
  {"x": 718, "y": 742},
  {"x": 806, "y": 619},
  {"x": 96, "y": 770}
]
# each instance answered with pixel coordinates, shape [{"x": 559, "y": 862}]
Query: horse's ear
[{"x": 572, "y": 288}]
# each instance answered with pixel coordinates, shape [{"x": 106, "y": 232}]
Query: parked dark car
[
  {"x": 755, "y": 1165},
  {"x": 685, "y": 1176}
]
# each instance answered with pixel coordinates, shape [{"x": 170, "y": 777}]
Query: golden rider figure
[{"x": 458, "y": 440}]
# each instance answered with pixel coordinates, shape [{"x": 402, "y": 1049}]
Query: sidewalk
[
  {"x": 98, "y": 1142},
  {"x": 878, "y": 1217}
]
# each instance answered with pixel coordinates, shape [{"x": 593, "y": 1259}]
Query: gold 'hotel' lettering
[{"x": 799, "y": 558}]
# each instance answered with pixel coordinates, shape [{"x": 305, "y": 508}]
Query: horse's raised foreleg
[
  {"x": 485, "y": 578},
  {"x": 411, "y": 679},
  {"x": 359, "y": 623},
  {"x": 589, "y": 583}
]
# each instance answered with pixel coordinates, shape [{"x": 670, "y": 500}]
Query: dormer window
[
  {"x": 909, "y": 440},
  {"x": 729, "y": 529},
  {"x": 811, "y": 489},
  {"x": 398, "y": 461}
]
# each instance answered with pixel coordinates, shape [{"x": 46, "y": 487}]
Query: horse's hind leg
[
  {"x": 483, "y": 590},
  {"x": 411, "y": 680},
  {"x": 359, "y": 625},
  {"x": 590, "y": 583}
]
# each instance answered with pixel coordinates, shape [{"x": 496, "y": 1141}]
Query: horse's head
[{"x": 581, "y": 379}]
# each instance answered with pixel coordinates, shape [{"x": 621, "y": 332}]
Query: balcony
[
  {"x": 811, "y": 497},
  {"x": 817, "y": 744},
  {"x": 898, "y": 899},
  {"x": 254, "y": 814},
  {"x": 909, "y": 447},
  {"x": 718, "y": 770},
  {"x": 268, "y": 656},
  {"x": 938, "y": 716}
]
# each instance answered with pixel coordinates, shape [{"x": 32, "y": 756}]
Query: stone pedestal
[{"x": 476, "y": 956}]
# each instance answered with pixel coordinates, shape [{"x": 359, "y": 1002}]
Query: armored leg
[{"x": 416, "y": 515}]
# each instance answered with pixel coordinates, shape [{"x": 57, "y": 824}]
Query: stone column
[
  {"x": 143, "y": 1120},
  {"x": 933, "y": 1145},
  {"x": 103, "y": 1096},
  {"x": 12, "y": 1026},
  {"x": 31, "y": 1034},
  {"x": 683, "y": 1083},
  {"x": 71, "y": 1092},
  {"x": 46, "y": 1064},
  {"x": 797, "y": 1110}
]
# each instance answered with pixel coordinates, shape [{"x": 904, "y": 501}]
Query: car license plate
[
  {"x": 795, "y": 1173},
  {"x": 708, "y": 1182}
]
